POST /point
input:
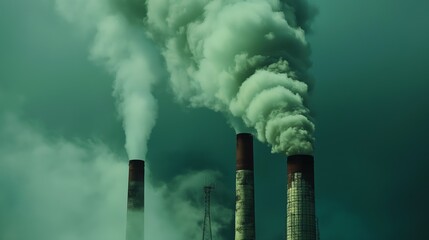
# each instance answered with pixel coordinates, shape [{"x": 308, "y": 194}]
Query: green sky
[{"x": 63, "y": 164}]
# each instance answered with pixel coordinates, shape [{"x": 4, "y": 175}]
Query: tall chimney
[
  {"x": 135, "y": 208},
  {"x": 244, "y": 203},
  {"x": 301, "y": 219}
]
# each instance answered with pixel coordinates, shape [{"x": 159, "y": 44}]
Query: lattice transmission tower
[{"x": 207, "y": 228}]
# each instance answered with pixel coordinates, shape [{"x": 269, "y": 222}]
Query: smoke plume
[
  {"x": 122, "y": 47},
  {"x": 247, "y": 59}
]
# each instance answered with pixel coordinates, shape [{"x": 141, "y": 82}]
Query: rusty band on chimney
[
  {"x": 244, "y": 151},
  {"x": 303, "y": 164},
  {"x": 136, "y": 184},
  {"x": 136, "y": 170}
]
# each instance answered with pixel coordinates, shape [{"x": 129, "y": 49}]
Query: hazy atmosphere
[{"x": 86, "y": 85}]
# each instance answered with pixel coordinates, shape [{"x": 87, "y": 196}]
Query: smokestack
[
  {"x": 244, "y": 203},
  {"x": 135, "y": 208},
  {"x": 301, "y": 219}
]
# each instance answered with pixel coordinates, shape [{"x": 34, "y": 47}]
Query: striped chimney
[
  {"x": 244, "y": 203},
  {"x": 135, "y": 208},
  {"x": 301, "y": 219}
]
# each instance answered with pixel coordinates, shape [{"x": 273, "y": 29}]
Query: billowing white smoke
[
  {"x": 245, "y": 58},
  {"x": 126, "y": 52}
]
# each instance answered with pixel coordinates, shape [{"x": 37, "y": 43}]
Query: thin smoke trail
[{"x": 122, "y": 46}]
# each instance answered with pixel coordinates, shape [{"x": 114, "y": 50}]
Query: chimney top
[{"x": 244, "y": 153}]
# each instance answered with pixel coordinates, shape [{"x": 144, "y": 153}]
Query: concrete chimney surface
[
  {"x": 244, "y": 185},
  {"x": 301, "y": 217}
]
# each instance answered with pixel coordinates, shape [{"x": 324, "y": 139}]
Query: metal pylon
[{"x": 207, "y": 229}]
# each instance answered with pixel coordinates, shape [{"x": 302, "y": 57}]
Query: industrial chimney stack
[
  {"x": 301, "y": 219},
  {"x": 135, "y": 208},
  {"x": 245, "y": 204}
]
